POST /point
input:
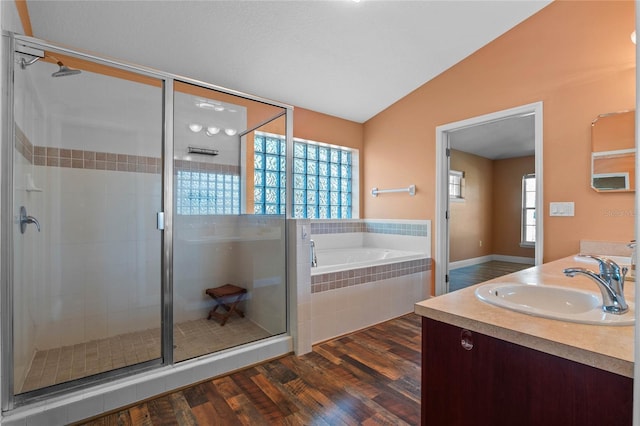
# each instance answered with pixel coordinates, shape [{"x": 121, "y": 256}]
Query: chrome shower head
[
  {"x": 24, "y": 63},
  {"x": 65, "y": 71}
]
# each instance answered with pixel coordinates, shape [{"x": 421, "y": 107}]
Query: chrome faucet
[
  {"x": 610, "y": 281},
  {"x": 314, "y": 259}
]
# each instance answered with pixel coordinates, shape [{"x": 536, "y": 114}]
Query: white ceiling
[
  {"x": 351, "y": 60},
  {"x": 506, "y": 138}
]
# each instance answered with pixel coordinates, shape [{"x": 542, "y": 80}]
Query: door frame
[{"x": 442, "y": 184}]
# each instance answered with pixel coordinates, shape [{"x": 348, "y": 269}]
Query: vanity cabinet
[{"x": 473, "y": 379}]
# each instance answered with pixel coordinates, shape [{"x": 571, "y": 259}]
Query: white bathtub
[{"x": 336, "y": 260}]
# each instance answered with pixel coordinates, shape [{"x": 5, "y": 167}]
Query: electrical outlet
[{"x": 480, "y": 243}]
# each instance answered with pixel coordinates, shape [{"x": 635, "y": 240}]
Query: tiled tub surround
[
  {"x": 410, "y": 228},
  {"x": 345, "y": 301},
  {"x": 351, "y": 277}
]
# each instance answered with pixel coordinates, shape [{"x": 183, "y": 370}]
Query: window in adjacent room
[
  {"x": 322, "y": 178},
  {"x": 528, "y": 238},
  {"x": 456, "y": 180}
]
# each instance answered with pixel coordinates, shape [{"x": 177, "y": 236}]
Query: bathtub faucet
[{"x": 314, "y": 259}]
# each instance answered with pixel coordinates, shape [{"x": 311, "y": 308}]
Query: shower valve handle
[{"x": 26, "y": 219}]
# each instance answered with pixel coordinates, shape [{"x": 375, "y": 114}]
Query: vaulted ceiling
[{"x": 342, "y": 58}]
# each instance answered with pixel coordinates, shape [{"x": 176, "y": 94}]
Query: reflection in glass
[
  {"x": 613, "y": 152},
  {"x": 528, "y": 237}
]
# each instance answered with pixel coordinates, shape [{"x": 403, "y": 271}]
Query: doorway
[{"x": 482, "y": 144}]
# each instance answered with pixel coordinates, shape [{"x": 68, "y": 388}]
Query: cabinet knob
[{"x": 466, "y": 340}]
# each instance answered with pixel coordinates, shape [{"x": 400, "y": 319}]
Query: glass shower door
[
  {"x": 229, "y": 269},
  {"x": 87, "y": 174}
]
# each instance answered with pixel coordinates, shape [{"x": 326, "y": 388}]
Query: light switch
[{"x": 565, "y": 208}]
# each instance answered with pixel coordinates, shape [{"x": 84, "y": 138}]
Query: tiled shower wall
[
  {"x": 100, "y": 274},
  {"x": 100, "y": 250},
  {"x": 99, "y": 160}
]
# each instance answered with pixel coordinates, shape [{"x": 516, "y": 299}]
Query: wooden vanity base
[{"x": 500, "y": 383}]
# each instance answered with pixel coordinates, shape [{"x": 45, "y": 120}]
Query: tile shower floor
[{"x": 191, "y": 339}]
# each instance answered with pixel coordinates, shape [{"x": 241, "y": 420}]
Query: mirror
[{"x": 613, "y": 151}]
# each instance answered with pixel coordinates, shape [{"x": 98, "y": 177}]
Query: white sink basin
[{"x": 547, "y": 301}]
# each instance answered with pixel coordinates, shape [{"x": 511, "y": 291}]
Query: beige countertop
[{"x": 609, "y": 348}]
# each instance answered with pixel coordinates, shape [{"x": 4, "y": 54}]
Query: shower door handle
[{"x": 26, "y": 219}]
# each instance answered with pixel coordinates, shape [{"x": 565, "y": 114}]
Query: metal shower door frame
[
  {"x": 10, "y": 42},
  {"x": 9, "y": 399}
]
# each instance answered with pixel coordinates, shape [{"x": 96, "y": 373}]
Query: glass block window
[
  {"x": 269, "y": 179},
  {"x": 322, "y": 179},
  {"x": 528, "y": 210},
  {"x": 199, "y": 193}
]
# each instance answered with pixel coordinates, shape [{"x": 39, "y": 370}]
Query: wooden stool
[{"x": 228, "y": 296}]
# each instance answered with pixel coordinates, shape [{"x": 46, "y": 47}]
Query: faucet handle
[
  {"x": 607, "y": 266},
  {"x": 623, "y": 274}
]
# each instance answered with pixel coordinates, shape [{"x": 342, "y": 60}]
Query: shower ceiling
[{"x": 341, "y": 58}]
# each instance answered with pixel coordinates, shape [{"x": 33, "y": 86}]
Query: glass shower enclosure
[
  {"x": 217, "y": 242},
  {"x": 126, "y": 194}
]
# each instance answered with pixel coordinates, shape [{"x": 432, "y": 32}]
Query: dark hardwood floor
[
  {"x": 475, "y": 274},
  {"x": 369, "y": 377}
]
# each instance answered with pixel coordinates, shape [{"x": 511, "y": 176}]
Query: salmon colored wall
[
  {"x": 470, "y": 226},
  {"x": 575, "y": 57},
  {"x": 488, "y": 220},
  {"x": 507, "y": 205},
  {"x": 613, "y": 132},
  {"x": 320, "y": 127}
]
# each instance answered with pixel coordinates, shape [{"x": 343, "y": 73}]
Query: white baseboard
[
  {"x": 469, "y": 262},
  {"x": 490, "y": 257},
  {"x": 515, "y": 259}
]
